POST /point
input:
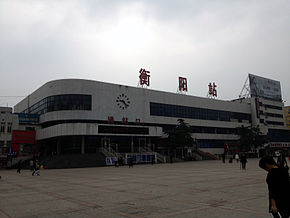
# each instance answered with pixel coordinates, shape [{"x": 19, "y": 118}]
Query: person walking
[
  {"x": 36, "y": 168},
  {"x": 19, "y": 166},
  {"x": 244, "y": 161},
  {"x": 224, "y": 157},
  {"x": 237, "y": 157},
  {"x": 278, "y": 187},
  {"x": 130, "y": 162}
]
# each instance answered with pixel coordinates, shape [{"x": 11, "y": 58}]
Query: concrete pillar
[
  {"x": 139, "y": 145},
  {"x": 58, "y": 147},
  {"x": 105, "y": 142},
  {"x": 132, "y": 144},
  {"x": 83, "y": 144},
  {"x": 150, "y": 145}
]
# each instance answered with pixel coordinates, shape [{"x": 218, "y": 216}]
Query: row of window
[
  {"x": 271, "y": 106},
  {"x": 212, "y": 130},
  {"x": 8, "y": 127},
  {"x": 167, "y": 110},
  {"x": 61, "y": 102},
  {"x": 123, "y": 130},
  {"x": 278, "y": 135},
  {"x": 274, "y": 115},
  {"x": 2, "y": 143},
  {"x": 274, "y": 123}
]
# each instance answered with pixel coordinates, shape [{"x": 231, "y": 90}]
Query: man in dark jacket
[
  {"x": 278, "y": 186},
  {"x": 19, "y": 166}
]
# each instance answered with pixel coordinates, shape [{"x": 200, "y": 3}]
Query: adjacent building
[
  {"x": 9, "y": 121},
  {"x": 287, "y": 116}
]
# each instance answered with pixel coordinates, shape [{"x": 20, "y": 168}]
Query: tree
[
  {"x": 180, "y": 136},
  {"x": 250, "y": 137}
]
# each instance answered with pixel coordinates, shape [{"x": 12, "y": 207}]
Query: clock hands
[{"x": 124, "y": 103}]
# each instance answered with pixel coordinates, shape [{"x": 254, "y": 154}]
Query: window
[
  {"x": 274, "y": 115},
  {"x": 167, "y": 110},
  {"x": 61, "y": 102},
  {"x": 275, "y": 123},
  {"x": 9, "y": 127},
  {"x": 273, "y": 107},
  {"x": 2, "y": 128},
  {"x": 123, "y": 130}
]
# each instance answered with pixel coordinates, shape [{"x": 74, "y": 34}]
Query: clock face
[{"x": 123, "y": 101}]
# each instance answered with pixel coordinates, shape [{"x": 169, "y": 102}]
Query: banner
[{"x": 265, "y": 88}]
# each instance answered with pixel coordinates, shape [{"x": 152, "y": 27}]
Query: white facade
[
  {"x": 267, "y": 114},
  {"x": 9, "y": 122},
  {"x": 118, "y": 101}
]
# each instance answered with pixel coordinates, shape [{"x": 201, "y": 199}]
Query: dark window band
[
  {"x": 168, "y": 110},
  {"x": 61, "y": 102}
]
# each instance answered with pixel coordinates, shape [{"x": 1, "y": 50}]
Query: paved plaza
[{"x": 190, "y": 189}]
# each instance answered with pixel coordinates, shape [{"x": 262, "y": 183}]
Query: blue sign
[
  {"x": 110, "y": 161},
  {"x": 28, "y": 118},
  {"x": 141, "y": 158}
]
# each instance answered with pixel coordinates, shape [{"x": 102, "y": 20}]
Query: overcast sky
[{"x": 205, "y": 41}]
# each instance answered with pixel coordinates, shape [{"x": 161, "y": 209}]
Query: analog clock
[{"x": 123, "y": 101}]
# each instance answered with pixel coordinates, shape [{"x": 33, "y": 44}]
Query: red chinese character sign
[
  {"x": 144, "y": 77},
  {"x": 111, "y": 119},
  {"x": 125, "y": 120},
  {"x": 182, "y": 84},
  {"x": 212, "y": 92}
]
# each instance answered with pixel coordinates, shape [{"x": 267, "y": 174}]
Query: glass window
[
  {"x": 2, "y": 128},
  {"x": 9, "y": 127},
  {"x": 61, "y": 102},
  {"x": 275, "y": 123},
  {"x": 166, "y": 110}
]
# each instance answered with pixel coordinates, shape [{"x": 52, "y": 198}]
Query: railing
[
  {"x": 160, "y": 158},
  {"x": 207, "y": 154},
  {"x": 110, "y": 152}
]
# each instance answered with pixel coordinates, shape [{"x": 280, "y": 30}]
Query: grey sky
[{"x": 109, "y": 40}]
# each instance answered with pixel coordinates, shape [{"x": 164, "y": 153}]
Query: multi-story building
[
  {"x": 287, "y": 116},
  {"x": 9, "y": 122},
  {"x": 82, "y": 116}
]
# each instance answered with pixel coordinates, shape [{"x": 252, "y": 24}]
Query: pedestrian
[
  {"x": 281, "y": 161},
  {"x": 278, "y": 187},
  {"x": 244, "y": 161},
  {"x": 121, "y": 161},
  {"x": 19, "y": 166},
  {"x": 224, "y": 157},
  {"x": 117, "y": 162},
  {"x": 237, "y": 157},
  {"x": 130, "y": 162},
  {"x": 36, "y": 168}
]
